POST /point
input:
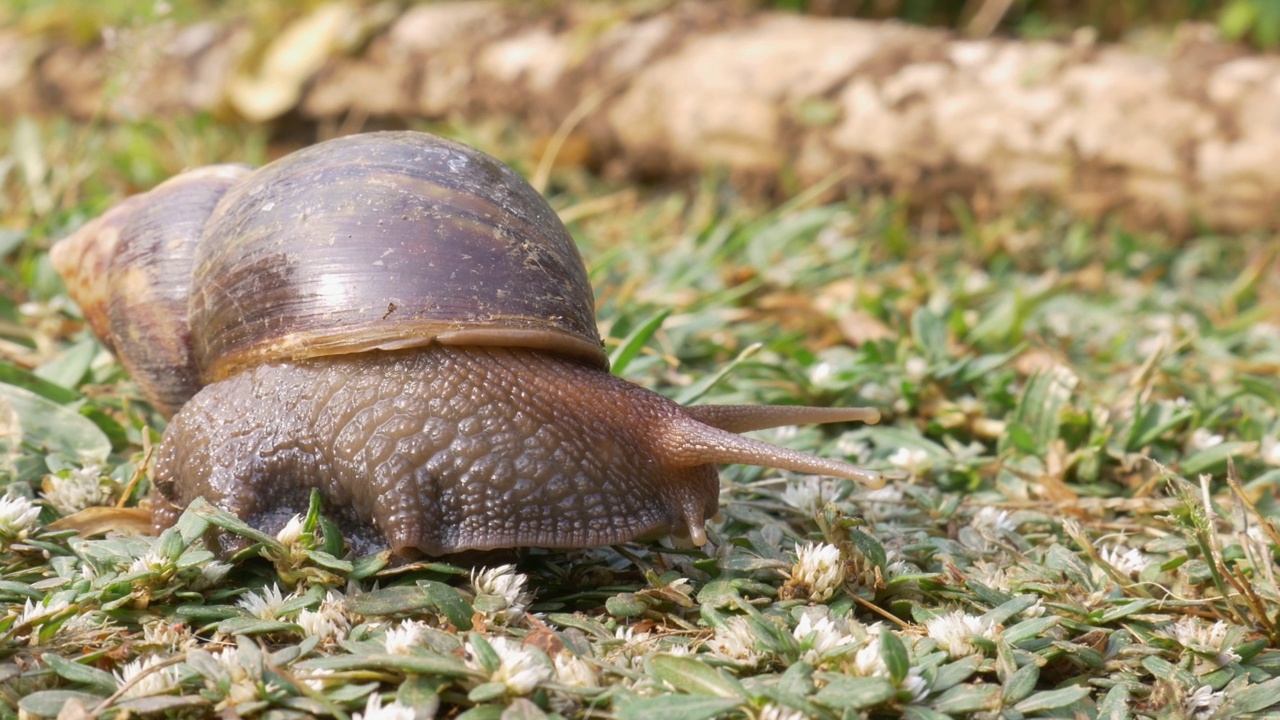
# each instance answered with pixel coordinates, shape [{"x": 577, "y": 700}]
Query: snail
[{"x": 403, "y": 323}]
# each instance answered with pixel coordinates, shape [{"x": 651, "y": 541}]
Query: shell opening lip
[{"x": 300, "y": 346}]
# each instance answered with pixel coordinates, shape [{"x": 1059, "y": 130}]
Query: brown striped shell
[
  {"x": 386, "y": 241},
  {"x": 382, "y": 241}
]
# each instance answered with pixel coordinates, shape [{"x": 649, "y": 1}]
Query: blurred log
[{"x": 1183, "y": 138}]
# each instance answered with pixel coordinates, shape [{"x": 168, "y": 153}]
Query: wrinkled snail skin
[{"x": 402, "y": 323}]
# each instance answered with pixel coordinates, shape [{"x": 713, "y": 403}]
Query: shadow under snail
[{"x": 404, "y": 323}]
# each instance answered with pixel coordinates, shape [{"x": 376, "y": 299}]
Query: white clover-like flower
[
  {"x": 329, "y": 621},
  {"x": 520, "y": 669},
  {"x": 883, "y": 504},
  {"x": 736, "y": 641},
  {"x": 808, "y": 494},
  {"x": 375, "y": 710},
  {"x": 1203, "y": 438},
  {"x": 37, "y": 612},
  {"x": 915, "y": 684},
  {"x": 402, "y": 639},
  {"x": 211, "y": 573},
  {"x": 632, "y": 647},
  {"x": 993, "y": 522},
  {"x": 18, "y": 517},
  {"x": 910, "y": 459},
  {"x": 1127, "y": 561},
  {"x": 773, "y": 711},
  {"x": 316, "y": 678},
  {"x": 1269, "y": 449},
  {"x": 505, "y": 583},
  {"x": 151, "y": 561},
  {"x": 573, "y": 671},
  {"x": 820, "y": 568},
  {"x": 146, "y": 678},
  {"x": 819, "y": 633},
  {"x": 1194, "y": 633},
  {"x": 1202, "y": 703},
  {"x": 264, "y": 606},
  {"x": 916, "y": 368},
  {"x": 81, "y": 488},
  {"x": 166, "y": 634},
  {"x": 867, "y": 662},
  {"x": 955, "y": 631},
  {"x": 291, "y": 531}
]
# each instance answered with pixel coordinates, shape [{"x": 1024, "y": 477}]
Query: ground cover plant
[{"x": 1080, "y": 422}]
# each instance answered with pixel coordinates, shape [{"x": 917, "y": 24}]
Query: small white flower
[
  {"x": 867, "y": 662},
  {"x": 37, "y": 612},
  {"x": 820, "y": 568},
  {"x": 915, "y": 684},
  {"x": 808, "y": 494},
  {"x": 505, "y": 583},
  {"x": 993, "y": 522},
  {"x": 1195, "y": 634},
  {"x": 884, "y": 503},
  {"x": 375, "y": 710},
  {"x": 1129, "y": 562},
  {"x": 291, "y": 531},
  {"x": 819, "y": 633},
  {"x": 915, "y": 368},
  {"x": 167, "y": 635},
  {"x": 211, "y": 573},
  {"x": 1270, "y": 449},
  {"x": 328, "y": 621},
  {"x": 573, "y": 671},
  {"x": 151, "y": 561},
  {"x": 81, "y": 488},
  {"x": 910, "y": 459},
  {"x": 146, "y": 678},
  {"x": 1202, "y": 439},
  {"x": 317, "y": 678},
  {"x": 735, "y": 640},
  {"x": 772, "y": 711},
  {"x": 1203, "y": 703},
  {"x": 265, "y": 606},
  {"x": 956, "y": 631},
  {"x": 520, "y": 669},
  {"x": 18, "y": 517},
  {"x": 401, "y": 640}
]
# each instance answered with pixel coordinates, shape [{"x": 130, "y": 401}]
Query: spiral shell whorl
[{"x": 386, "y": 241}]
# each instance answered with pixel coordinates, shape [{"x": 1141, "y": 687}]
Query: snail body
[{"x": 402, "y": 323}]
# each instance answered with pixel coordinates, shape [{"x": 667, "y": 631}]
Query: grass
[{"x": 1081, "y": 424}]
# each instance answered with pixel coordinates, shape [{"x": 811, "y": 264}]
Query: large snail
[{"x": 403, "y": 323}]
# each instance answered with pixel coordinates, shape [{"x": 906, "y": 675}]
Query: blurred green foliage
[{"x": 1253, "y": 21}]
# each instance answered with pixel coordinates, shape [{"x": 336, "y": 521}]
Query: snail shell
[{"x": 403, "y": 323}]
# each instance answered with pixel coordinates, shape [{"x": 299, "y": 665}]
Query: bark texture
[{"x": 1183, "y": 136}]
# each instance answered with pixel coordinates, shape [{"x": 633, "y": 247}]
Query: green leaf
[
  {"x": 75, "y": 672},
  {"x": 1021, "y": 683},
  {"x": 1038, "y": 414},
  {"x": 14, "y": 375},
  {"x": 963, "y": 699},
  {"x": 856, "y": 693},
  {"x": 69, "y": 368},
  {"x": 1251, "y": 699},
  {"x": 1029, "y": 629},
  {"x": 677, "y": 707},
  {"x": 49, "y": 703},
  {"x": 694, "y": 677},
  {"x": 953, "y": 674},
  {"x": 895, "y": 657},
  {"x": 691, "y": 393},
  {"x": 635, "y": 341},
  {"x": 1115, "y": 706},
  {"x": 1052, "y": 699},
  {"x": 1212, "y": 459},
  {"x": 49, "y": 426},
  {"x": 402, "y": 599},
  {"x": 420, "y": 662},
  {"x": 930, "y": 334}
]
